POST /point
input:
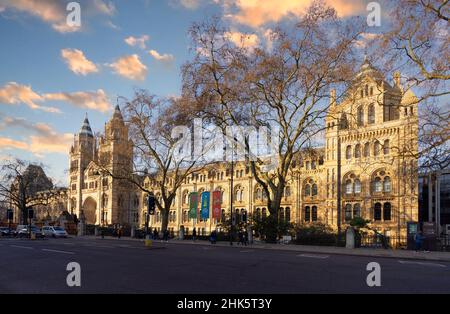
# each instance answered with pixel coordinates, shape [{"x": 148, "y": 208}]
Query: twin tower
[{"x": 92, "y": 190}]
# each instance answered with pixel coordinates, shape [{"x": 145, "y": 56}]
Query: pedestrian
[
  {"x": 166, "y": 236},
  {"x": 213, "y": 237},
  {"x": 102, "y": 232},
  {"x": 194, "y": 234},
  {"x": 119, "y": 233},
  {"x": 245, "y": 238},
  {"x": 418, "y": 239},
  {"x": 241, "y": 237},
  {"x": 155, "y": 234}
]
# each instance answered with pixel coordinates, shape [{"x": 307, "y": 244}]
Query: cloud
[
  {"x": 365, "y": 39},
  {"x": 137, "y": 41},
  {"x": 166, "y": 58},
  {"x": 255, "y": 13},
  {"x": 250, "y": 41},
  {"x": 77, "y": 62},
  {"x": 188, "y": 4},
  {"x": 13, "y": 93},
  {"x": 106, "y": 8},
  {"x": 41, "y": 140},
  {"x": 130, "y": 67},
  {"x": 54, "y": 12},
  {"x": 90, "y": 100},
  {"x": 7, "y": 143}
]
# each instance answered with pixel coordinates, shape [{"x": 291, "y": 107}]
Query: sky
[{"x": 52, "y": 74}]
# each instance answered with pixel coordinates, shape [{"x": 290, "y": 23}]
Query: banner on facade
[
  {"x": 206, "y": 199},
  {"x": 193, "y": 205},
  {"x": 217, "y": 205}
]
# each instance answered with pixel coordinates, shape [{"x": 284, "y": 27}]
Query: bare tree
[
  {"x": 20, "y": 182},
  {"x": 285, "y": 89},
  {"x": 416, "y": 43},
  {"x": 157, "y": 149}
]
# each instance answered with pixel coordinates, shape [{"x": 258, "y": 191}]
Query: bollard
[
  {"x": 33, "y": 236},
  {"x": 148, "y": 241}
]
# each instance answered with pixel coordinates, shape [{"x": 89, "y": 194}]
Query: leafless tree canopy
[{"x": 287, "y": 87}]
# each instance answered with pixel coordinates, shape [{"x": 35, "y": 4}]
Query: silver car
[{"x": 55, "y": 232}]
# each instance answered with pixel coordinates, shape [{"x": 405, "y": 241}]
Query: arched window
[
  {"x": 348, "y": 152},
  {"x": 358, "y": 151},
  {"x": 356, "y": 210},
  {"x": 371, "y": 114},
  {"x": 387, "y": 211},
  {"x": 308, "y": 165},
  {"x": 387, "y": 184},
  {"x": 348, "y": 212},
  {"x": 314, "y": 213},
  {"x": 376, "y": 148},
  {"x": 314, "y": 189},
  {"x": 366, "y": 150},
  {"x": 357, "y": 186},
  {"x": 281, "y": 214},
  {"x": 386, "y": 147},
  {"x": 307, "y": 214},
  {"x": 258, "y": 214},
  {"x": 367, "y": 90},
  {"x": 258, "y": 194},
  {"x": 343, "y": 122},
  {"x": 288, "y": 214},
  {"x": 264, "y": 213},
  {"x": 348, "y": 187},
  {"x": 377, "y": 186},
  {"x": 313, "y": 164},
  {"x": 287, "y": 191},
  {"x": 377, "y": 211},
  {"x": 360, "y": 116},
  {"x": 307, "y": 190},
  {"x": 244, "y": 215}
]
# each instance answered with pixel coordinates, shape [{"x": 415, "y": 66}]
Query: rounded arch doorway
[{"x": 90, "y": 211}]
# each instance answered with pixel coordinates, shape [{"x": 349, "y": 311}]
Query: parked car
[
  {"x": 5, "y": 232},
  {"x": 25, "y": 232},
  {"x": 55, "y": 232}
]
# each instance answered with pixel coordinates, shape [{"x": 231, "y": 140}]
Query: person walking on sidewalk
[
  {"x": 418, "y": 239},
  {"x": 194, "y": 234}
]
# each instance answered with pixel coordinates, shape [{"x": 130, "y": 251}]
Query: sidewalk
[{"x": 366, "y": 252}]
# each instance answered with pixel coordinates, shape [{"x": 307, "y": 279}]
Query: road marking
[
  {"x": 106, "y": 247},
  {"x": 68, "y": 243},
  {"x": 22, "y": 247},
  {"x": 422, "y": 263},
  {"x": 57, "y": 251},
  {"x": 314, "y": 256},
  {"x": 247, "y": 251}
]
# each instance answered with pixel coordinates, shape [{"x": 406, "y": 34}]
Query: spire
[
  {"x": 117, "y": 113},
  {"x": 86, "y": 128}
]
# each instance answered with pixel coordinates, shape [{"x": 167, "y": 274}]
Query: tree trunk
[{"x": 164, "y": 219}]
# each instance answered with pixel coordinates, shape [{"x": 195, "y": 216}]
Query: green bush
[{"x": 315, "y": 234}]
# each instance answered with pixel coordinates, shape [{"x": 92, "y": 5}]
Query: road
[{"x": 123, "y": 266}]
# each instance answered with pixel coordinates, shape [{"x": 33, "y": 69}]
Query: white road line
[
  {"x": 22, "y": 247},
  {"x": 247, "y": 251},
  {"x": 57, "y": 251},
  {"x": 314, "y": 256},
  {"x": 423, "y": 263}
]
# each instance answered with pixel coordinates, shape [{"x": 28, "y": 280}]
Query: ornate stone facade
[{"x": 374, "y": 129}]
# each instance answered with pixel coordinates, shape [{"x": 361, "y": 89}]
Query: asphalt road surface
[{"x": 123, "y": 266}]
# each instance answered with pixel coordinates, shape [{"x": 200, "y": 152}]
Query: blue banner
[{"x": 205, "y": 205}]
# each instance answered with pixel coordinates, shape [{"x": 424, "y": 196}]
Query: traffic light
[
  {"x": 30, "y": 213},
  {"x": 151, "y": 205}
]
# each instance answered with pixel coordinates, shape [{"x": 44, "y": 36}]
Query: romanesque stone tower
[
  {"x": 95, "y": 187},
  {"x": 82, "y": 153}
]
